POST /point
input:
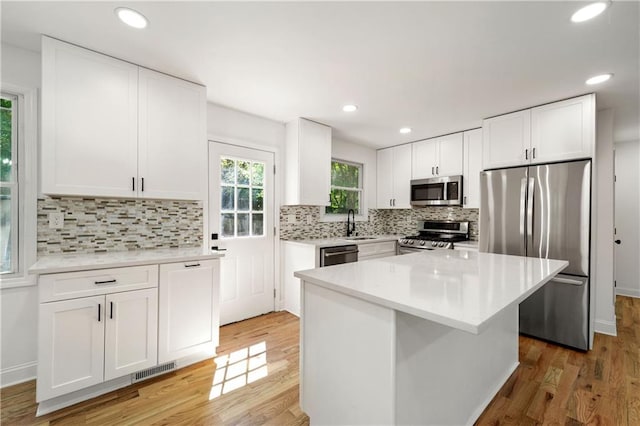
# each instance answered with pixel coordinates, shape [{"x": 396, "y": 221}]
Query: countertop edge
[{"x": 122, "y": 263}]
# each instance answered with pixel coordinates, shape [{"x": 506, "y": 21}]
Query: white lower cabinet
[
  {"x": 376, "y": 250},
  {"x": 131, "y": 332},
  {"x": 71, "y": 346},
  {"x": 189, "y": 317}
]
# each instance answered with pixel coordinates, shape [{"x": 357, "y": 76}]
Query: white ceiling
[{"x": 438, "y": 67}]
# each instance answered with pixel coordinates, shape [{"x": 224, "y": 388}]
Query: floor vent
[{"x": 153, "y": 371}]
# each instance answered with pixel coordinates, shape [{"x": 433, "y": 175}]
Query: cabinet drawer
[{"x": 71, "y": 285}]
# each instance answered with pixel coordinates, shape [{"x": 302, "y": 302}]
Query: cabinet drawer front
[
  {"x": 373, "y": 250},
  {"x": 71, "y": 285},
  {"x": 366, "y": 250},
  {"x": 386, "y": 247}
]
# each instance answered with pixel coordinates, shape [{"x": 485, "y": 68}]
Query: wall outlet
[
  {"x": 309, "y": 220},
  {"x": 56, "y": 220},
  {"x": 291, "y": 218}
]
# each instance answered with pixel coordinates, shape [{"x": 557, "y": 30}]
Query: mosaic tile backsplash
[
  {"x": 106, "y": 225},
  {"x": 307, "y": 225}
]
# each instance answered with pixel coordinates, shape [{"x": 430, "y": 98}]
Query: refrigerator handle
[
  {"x": 523, "y": 206},
  {"x": 530, "y": 190}
]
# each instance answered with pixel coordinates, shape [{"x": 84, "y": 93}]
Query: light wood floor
[{"x": 552, "y": 385}]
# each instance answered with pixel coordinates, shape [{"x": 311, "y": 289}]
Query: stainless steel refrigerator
[{"x": 544, "y": 211}]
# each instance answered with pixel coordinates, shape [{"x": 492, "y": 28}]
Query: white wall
[
  {"x": 602, "y": 235},
  {"x": 229, "y": 125},
  {"x": 18, "y": 315},
  {"x": 627, "y": 218},
  {"x": 348, "y": 151}
]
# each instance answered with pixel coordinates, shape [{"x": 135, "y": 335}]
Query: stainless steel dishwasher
[{"x": 337, "y": 255}]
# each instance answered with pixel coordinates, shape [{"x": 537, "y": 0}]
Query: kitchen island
[{"x": 425, "y": 338}]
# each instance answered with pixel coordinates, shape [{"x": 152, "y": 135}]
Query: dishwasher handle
[{"x": 340, "y": 253}]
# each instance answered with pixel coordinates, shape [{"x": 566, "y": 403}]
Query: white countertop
[
  {"x": 343, "y": 241},
  {"x": 461, "y": 289},
  {"x": 468, "y": 243},
  {"x": 85, "y": 261}
]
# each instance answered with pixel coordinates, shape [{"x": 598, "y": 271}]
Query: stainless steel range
[{"x": 434, "y": 235}]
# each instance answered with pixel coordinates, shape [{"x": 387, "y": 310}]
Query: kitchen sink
[{"x": 360, "y": 238}]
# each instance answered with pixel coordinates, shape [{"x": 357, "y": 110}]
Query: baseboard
[
  {"x": 606, "y": 327},
  {"x": 631, "y": 292},
  {"x": 18, "y": 374},
  {"x": 478, "y": 411},
  {"x": 291, "y": 312}
]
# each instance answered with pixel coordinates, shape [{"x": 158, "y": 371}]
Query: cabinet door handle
[
  {"x": 464, "y": 200},
  {"x": 526, "y": 154},
  {"x": 133, "y": 183},
  {"x": 111, "y": 313},
  {"x": 104, "y": 282},
  {"x": 432, "y": 173},
  {"x": 193, "y": 265},
  {"x": 394, "y": 202},
  {"x": 390, "y": 203},
  {"x": 99, "y": 309},
  {"x": 437, "y": 172},
  {"x": 533, "y": 152},
  {"x": 142, "y": 184}
]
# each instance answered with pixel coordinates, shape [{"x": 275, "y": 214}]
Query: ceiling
[{"x": 437, "y": 67}]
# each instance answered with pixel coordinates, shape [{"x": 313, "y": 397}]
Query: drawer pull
[
  {"x": 193, "y": 265},
  {"x": 111, "y": 313},
  {"x": 104, "y": 282},
  {"x": 99, "y": 309}
]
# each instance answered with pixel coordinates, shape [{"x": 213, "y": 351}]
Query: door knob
[{"x": 617, "y": 241}]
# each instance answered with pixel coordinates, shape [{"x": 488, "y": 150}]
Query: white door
[
  {"x": 242, "y": 214},
  {"x": 402, "y": 177},
  {"x": 131, "y": 335},
  {"x": 450, "y": 155},
  {"x": 424, "y": 157},
  {"x": 71, "y": 346},
  {"x": 506, "y": 140},
  {"x": 384, "y": 184}
]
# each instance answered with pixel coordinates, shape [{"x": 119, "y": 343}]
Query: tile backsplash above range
[{"x": 306, "y": 222}]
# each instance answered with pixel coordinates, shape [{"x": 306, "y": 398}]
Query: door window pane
[
  {"x": 6, "y": 145},
  {"x": 243, "y": 172},
  {"x": 258, "y": 174},
  {"x": 243, "y": 224},
  {"x": 242, "y": 197},
  {"x": 227, "y": 224},
  {"x": 257, "y": 199},
  {"x": 257, "y": 225},
  {"x": 228, "y": 198},
  {"x": 227, "y": 171}
]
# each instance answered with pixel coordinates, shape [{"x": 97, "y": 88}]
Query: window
[
  {"x": 242, "y": 198},
  {"x": 9, "y": 189},
  {"x": 346, "y": 187}
]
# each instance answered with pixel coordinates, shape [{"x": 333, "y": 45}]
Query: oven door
[{"x": 442, "y": 191}]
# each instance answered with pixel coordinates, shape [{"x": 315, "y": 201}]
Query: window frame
[
  {"x": 27, "y": 187},
  {"x": 361, "y": 216},
  {"x": 250, "y": 212}
]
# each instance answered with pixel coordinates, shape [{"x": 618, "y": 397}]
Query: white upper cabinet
[
  {"x": 394, "y": 177},
  {"x": 563, "y": 130},
  {"x": 554, "y": 132},
  {"x": 113, "y": 129},
  {"x": 172, "y": 137},
  {"x": 472, "y": 168},
  {"x": 307, "y": 163},
  {"x": 441, "y": 156},
  {"x": 89, "y": 122},
  {"x": 506, "y": 140}
]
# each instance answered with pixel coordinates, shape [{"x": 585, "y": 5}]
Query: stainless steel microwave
[{"x": 438, "y": 191}]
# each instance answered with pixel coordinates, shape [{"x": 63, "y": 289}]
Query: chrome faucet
[{"x": 351, "y": 226}]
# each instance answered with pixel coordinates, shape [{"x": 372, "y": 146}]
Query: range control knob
[
  {"x": 421, "y": 243},
  {"x": 410, "y": 242},
  {"x": 440, "y": 244},
  {"x": 403, "y": 241},
  {"x": 434, "y": 244}
]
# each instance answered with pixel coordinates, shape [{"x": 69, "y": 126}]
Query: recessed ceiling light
[
  {"x": 349, "y": 108},
  {"x": 599, "y": 79},
  {"x": 405, "y": 130},
  {"x": 589, "y": 11},
  {"x": 131, "y": 17}
]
